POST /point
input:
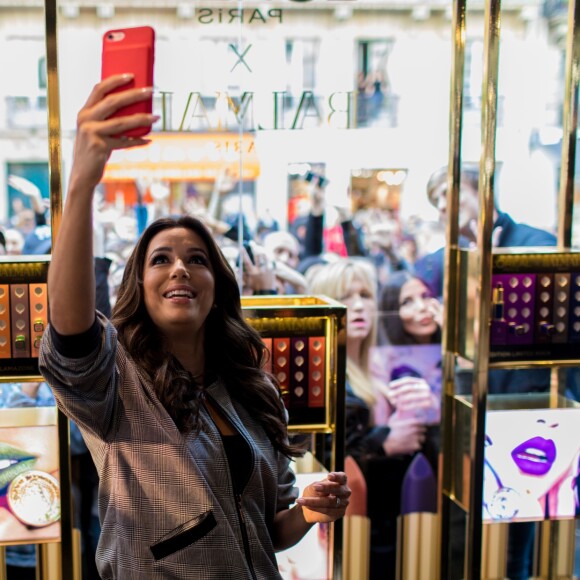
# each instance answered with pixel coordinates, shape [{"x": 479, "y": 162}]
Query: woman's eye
[
  {"x": 198, "y": 259},
  {"x": 159, "y": 259},
  {"x": 406, "y": 302}
]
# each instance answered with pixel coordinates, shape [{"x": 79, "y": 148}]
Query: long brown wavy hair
[{"x": 234, "y": 351}]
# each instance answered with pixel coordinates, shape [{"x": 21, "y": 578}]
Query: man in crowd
[{"x": 506, "y": 233}]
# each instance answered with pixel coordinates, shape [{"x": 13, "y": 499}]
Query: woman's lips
[{"x": 535, "y": 456}]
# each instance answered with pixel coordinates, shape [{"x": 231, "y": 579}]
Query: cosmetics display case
[
  {"x": 306, "y": 339},
  {"x": 305, "y": 336},
  {"x": 35, "y": 491},
  {"x": 534, "y": 306},
  {"x": 23, "y": 315},
  {"x": 512, "y": 458}
]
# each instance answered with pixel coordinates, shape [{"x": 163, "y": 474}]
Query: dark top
[{"x": 239, "y": 460}]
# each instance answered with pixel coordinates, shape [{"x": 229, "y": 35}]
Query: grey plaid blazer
[{"x": 166, "y": 501}]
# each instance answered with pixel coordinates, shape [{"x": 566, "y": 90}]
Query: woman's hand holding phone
[{"x": 98, "y": 131}]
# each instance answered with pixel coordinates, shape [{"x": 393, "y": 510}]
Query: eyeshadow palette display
[
  {"x": 23, "y": 317},
  {"x": 301, "y": 335},
  {"x": 535, "y": 306}
]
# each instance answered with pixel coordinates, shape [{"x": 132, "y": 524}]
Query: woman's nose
[
  {"x": 179, "y": 270},
  {"x": 420, "y": 304}
]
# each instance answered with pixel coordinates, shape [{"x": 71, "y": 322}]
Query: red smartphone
[{"x": 130, "y": 50}]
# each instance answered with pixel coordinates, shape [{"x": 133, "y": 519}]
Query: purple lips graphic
[{"x": 535, "y": 456}]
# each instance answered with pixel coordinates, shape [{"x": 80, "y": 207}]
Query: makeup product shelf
[
  {"x": 534, "y": 307},
  {"x": 305, "y": 338}
]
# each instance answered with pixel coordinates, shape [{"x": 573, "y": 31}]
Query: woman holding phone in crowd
[
  {"x": 383, "y": 452},
  {"x": 187, "y": 431}
]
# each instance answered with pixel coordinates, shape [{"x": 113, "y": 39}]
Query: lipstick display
[
  {"x": 544, "y": 310},
  {"x": 23, "y": 316},
  {"x": 561, "y": 307},
  {"x": 308, "y": 357},
  {"x": 418, "y": 524},
  {"x": 20, "y": 320},
  {"x": 535, "y": 306},
  {"x": 5, "y": 350}
]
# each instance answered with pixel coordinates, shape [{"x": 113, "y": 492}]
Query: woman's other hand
[
  {"x": 435, "y": 307},
  {"x": 413, "y": 397},
  {"x": 406, "y": 390},
  {"x": 326, "y": 500},
  {"x": 406, "y": 436},
  {"x": 98, "y": 134}
]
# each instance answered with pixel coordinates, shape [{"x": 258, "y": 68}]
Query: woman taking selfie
[{"x": 187, "y": 431}]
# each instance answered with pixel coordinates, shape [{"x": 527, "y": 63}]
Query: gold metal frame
[{"x": 467, "y": 278}]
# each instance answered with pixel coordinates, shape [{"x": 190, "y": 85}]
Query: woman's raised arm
[{"x": 71, "y": 283}]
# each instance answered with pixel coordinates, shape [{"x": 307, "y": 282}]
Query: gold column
[
  {"x": 48, "y": 561},
  {"x": 555, "y": 551},
  {"x": 3, "y": 563},
  {"x": 46, "y": 553},
  {"x": 356, "y": 542},
  {"x": 473, "y": 562},
  {"x": 494, "y": 551},
  {"x": 418, "y": 546},
  {"x": 570, "y": 124},
  {"x": 450, "y": 285}
]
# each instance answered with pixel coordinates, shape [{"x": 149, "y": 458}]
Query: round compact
[{"x": 34, "y": 498}]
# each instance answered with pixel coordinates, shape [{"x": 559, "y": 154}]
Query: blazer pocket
[{"x": 184, "y": 535}]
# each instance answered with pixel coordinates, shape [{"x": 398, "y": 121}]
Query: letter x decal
[{"x": 240, "y": 56}]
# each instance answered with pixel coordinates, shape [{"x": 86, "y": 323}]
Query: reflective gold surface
[
  {"x": 418, "y": 546},
  {"x": 570, "y": 124}
]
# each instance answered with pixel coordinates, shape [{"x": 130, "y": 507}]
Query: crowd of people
[{"x": 148, "y": 349}]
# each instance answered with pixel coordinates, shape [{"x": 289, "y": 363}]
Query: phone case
[{"x": 130, "y": 50}]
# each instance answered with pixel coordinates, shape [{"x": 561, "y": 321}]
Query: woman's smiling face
[{"x": 178, "y": 281}]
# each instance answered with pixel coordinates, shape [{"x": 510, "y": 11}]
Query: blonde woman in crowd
[{"x": 383, "y": 452}]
